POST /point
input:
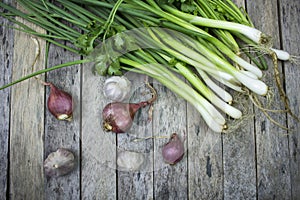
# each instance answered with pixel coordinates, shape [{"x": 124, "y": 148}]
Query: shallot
[
  {"x": 60, "y": 103},
  {"x": 173, "y": 151},
  {"x": 118, "y": 117}
]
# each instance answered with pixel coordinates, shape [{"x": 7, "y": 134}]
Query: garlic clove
[
  {"x": 59, "y": 163},
  {"x": 130, "y": 161},
  {"x": 117, "y": 88},
  {"x": 60, "y": 103}
]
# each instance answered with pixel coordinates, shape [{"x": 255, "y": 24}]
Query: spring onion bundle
[{"x": 162, "y": 39}]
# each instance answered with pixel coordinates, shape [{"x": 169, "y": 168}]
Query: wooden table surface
[{"x": 257, "y": 161}]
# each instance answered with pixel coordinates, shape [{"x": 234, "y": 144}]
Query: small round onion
[
  {"x": 59, "y": 163},
  {"x": 60, "y": 103},
  {"x": 118, "y": 117},
  {"x": 173, "y": 151},
  {"x": 117, "y": 88}
]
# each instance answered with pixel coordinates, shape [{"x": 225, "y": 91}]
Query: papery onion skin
[
  {"x": 60, "y": 103},
  {"x": 129, "y": 160},
  {"x": 59, "y": 163},
  {"x": 173, "y": 151}
]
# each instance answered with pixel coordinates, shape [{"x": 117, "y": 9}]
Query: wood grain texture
[
  {"x": 27, "y": 122},
  {"x": 169, "y": 116},
  {"x": 137, "y": 184},
  {"x": 239, "y": 150},
  {"x": 205, "y": 168},
  {"x": 98, "y": 167},
  {"x": 239, "y": 163},
  {"x": 6, "y": 56},
  {"x": 290, "y": 26},
  {"x": 64, "y": 134},
  {"x": 272, "y": 153}
]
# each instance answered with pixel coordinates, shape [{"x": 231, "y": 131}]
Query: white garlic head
[
  {"x": 117, "y": 88},
  {"x": 129, "y": 160}
]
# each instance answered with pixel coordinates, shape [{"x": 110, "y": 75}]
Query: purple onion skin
[
  {"x": 118, "y": 117},
  {"x": 173, "y": 151},
  {"x": 60, "y": 103}
]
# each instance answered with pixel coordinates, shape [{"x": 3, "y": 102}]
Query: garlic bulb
[
  {"x": 59, "y": 163},
  {"x": 129, "y": 160},
  {"x": 117, "y": 88}
]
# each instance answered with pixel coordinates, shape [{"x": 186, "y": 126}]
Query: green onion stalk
[{"x": 161, "y": 41}]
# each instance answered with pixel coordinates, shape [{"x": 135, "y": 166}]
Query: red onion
[
  {"x": 118, "y": 117},
  {"x": 173, "y": 151},
  {"x": 60, "y": 103}
]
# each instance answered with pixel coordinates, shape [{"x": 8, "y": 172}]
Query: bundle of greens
[{"x": 163, "y": 39}]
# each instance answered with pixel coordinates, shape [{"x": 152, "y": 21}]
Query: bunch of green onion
[{"x": 162, "y": 39}]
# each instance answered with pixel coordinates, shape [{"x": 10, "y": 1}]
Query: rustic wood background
[{"x": 257, "y": 161}]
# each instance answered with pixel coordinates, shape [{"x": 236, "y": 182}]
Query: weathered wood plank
[
  {"x": 63, "y": 134},
  {"x": 169, "y": 116},
  {"x": 6, "y": 56},
  {"x": 205, "y": 169},
  {"x": 273, "y": 171},
  {"x": 290, "y": 26},
  {"x": 98, "y": 156},
  {"x": 239, "y": 151},
  {"x": 27, "y": 122},
  {"x": 137, "y": 183},
  {"x": 239, "y": 163}
]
